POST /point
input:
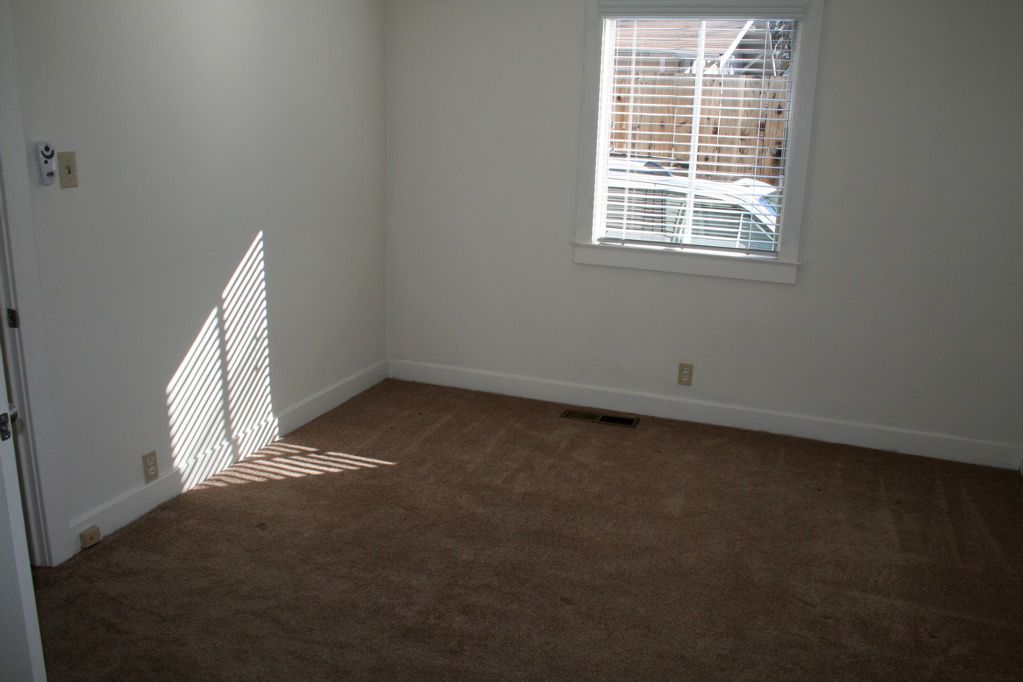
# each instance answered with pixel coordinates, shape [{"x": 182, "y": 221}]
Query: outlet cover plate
[
  {"x": 90, "y": 536},
  {"x": 685, "y": 374},
  {"x": 150, "y": 468}
]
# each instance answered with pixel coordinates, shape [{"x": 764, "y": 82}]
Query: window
[{"x": 693, "y": 154}]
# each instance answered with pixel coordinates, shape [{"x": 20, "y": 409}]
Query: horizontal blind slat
[{"x": 698, "y": 114}]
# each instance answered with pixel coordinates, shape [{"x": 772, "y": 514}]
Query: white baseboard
[
  {"x": 941, "y": 446},
  {"x": 131, "y": 504},
  {"x": 126, "y": 507},
  {"x": 323, "y": 401}
]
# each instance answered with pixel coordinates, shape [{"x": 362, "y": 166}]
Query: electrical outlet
[
  {"x": 67, "y": 169},
  {"x": 150, "y": 469},
  {"x": 685, "y": 374},
  {"x": 90, "y": 536}
]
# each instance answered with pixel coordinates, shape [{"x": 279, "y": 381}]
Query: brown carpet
[{"x": 506, "y": 542}]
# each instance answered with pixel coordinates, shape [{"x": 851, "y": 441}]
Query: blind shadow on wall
[{"x": 219, "y": 402}]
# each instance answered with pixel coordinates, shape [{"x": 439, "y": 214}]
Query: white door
[{"x": 21, "y": 651}]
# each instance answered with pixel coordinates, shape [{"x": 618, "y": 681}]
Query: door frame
[
  {"x": 29, "y": 368},
  {"x": 21, "y": 648}
]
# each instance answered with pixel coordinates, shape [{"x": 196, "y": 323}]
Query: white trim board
[
  {"x": 128, "y": 506},
  {"x": 132, "y": 504},
  {"x": 325, "y": 400},
  {"x": 941, "y": 446}
]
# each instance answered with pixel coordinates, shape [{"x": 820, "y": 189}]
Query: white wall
[
  {"x": 904, "y": 329},
  {"x": 197, "y": 126}
]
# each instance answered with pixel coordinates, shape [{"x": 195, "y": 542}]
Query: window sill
[{"x": 686, "y": 261}]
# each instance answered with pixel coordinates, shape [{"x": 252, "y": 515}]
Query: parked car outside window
[{"x": 649, "y": 202}]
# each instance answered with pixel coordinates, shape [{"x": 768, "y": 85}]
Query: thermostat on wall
[{"x": 46, "y": 159}]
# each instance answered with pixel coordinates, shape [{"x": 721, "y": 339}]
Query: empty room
[{"x": 511, "y": 339}]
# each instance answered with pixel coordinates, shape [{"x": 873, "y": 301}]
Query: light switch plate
[{"x": 67, "y": 169}]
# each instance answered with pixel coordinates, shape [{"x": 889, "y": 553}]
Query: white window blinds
[{"x": 693, "y": 131}]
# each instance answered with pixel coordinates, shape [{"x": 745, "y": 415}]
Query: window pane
[{"x": 696, "y": 106}]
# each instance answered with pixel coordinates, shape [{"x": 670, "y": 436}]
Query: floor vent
[{"x": 600, "y": 418}]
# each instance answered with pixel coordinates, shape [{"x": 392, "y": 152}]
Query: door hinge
[
  {"x": 7, "y": 420},
  {"x": 13, "y": 319}
]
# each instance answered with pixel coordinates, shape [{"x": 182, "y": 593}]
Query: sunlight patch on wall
[
  {"x": 281, "y": 461},
  {"x": 219, "y": 400}
]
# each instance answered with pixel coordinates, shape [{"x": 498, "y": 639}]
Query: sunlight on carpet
[{"x": 280, "y": 461}]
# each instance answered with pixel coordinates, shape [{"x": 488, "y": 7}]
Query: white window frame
[{"x": 780, "y": 267}]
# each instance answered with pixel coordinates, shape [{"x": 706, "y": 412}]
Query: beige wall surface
[
  {"x": 906, "y": 313},
  {"x": 200, "y": 127}
]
